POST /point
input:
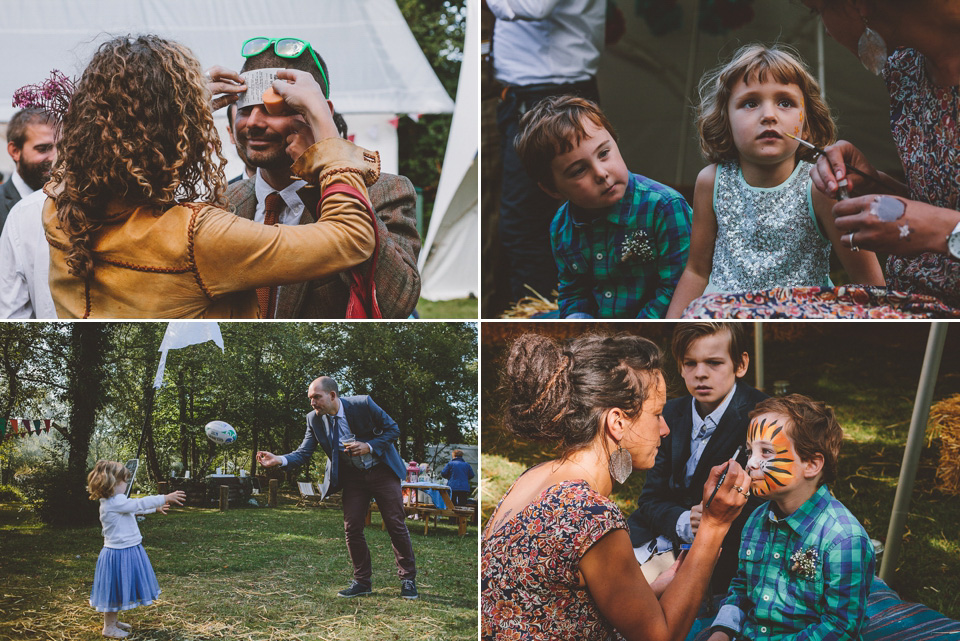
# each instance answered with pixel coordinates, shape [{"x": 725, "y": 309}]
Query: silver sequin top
[{"x": 766, "y": 237}]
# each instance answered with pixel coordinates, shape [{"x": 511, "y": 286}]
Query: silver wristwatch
[{"x": 953, "y": 242}]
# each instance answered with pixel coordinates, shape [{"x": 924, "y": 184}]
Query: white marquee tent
[
  {"x": 646, "y": 80},
  {"x": 377, "y": 70},
  {"x": 450, "y": 254}
]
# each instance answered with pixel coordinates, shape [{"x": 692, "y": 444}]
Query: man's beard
[
  {"x": 35, "y": 175},
  {"x": 277, "y": 159}
]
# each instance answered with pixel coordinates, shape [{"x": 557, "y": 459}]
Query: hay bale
[{"x": 945, "y": 419}]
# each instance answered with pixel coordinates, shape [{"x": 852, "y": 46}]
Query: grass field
[
  {"x": 457, "y": 308},
  {"x": 870, "y": 378},
  {"x": 245, "y": 574}
]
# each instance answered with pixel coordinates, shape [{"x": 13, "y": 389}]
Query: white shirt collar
[
  {"x": 715, "y": 415},
  {"x": 293, "y": 209}
]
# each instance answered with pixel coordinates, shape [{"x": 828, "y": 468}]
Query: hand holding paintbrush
[
  {"x": 823, "y": 185},
  {"x": 728, "y": 487}
]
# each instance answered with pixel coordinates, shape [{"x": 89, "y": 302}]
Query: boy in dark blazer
[{"x": 706, "y": 428}]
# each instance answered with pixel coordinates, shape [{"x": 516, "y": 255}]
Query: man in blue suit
[{"x": 358, "y": 438}]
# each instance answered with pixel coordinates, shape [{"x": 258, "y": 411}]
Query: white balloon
[{"x": 220, "y": 432}]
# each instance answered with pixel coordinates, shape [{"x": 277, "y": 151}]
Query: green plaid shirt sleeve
[
  {"x": 627, "y": 263},
  {"x": 775, "y": 596},
  {"x": 672, "y": 222}
]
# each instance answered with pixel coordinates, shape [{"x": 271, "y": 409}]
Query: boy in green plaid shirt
[
  {"x": 620, "y": 240},
  {"x": 806, "y": 563}
]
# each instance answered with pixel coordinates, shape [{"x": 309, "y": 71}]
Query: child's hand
[
  {"x": 696, "y": 513},
  {"x": 163, "y": 509},
  {"x": 177, "y": 498}
]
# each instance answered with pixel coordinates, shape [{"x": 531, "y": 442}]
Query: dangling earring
[
  {"x": 872, "y": 50},
  {"x": 621, "y": 464}
]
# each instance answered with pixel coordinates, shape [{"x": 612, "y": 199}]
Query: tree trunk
[{"x": 88, "y": 343}]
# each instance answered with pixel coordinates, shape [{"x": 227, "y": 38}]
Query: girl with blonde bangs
[
  {"x": 757, "y": 222},
  {"x": 124, "y": 577},
  {"x": 136, "y": 218}
]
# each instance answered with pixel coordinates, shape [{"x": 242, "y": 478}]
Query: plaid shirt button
[
  {"x": 608, "y": 294},
  {"x": 599, "y": 256},
  {"x": 776, "y": 555}
]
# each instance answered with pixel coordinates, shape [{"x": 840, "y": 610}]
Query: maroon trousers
[{"x": 380, "y": 483}]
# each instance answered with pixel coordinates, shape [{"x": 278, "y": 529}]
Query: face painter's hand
[
  {"x": 728, "y": 502},
  {"x": 301, "y": 91},
  {"x": 831, "y": 168},
  {"x": 226, "y": 82}
]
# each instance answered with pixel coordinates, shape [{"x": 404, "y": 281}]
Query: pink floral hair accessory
[{"x": 52, "y": 95}]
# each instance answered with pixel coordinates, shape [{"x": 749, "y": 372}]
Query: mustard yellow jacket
[{"x": 199, "y": 261}]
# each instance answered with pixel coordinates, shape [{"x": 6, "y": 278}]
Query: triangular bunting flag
[
  {"x": 36, "y": 426},
  {"x": 13, "y": 427},
  {"x": 46, "y": 422},
  {"x": 3, "y": 428}
]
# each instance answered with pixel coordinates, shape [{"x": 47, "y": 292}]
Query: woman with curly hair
[
  {"x": 557, "y": 562},
  {"x": 135, "y": 219}
]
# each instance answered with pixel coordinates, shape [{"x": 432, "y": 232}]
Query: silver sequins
[{"x": 766, "y": 237}]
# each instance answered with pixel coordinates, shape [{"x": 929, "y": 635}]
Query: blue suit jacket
[{"x": 368, "y": 422}]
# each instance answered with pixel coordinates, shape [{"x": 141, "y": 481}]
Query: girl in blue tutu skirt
[{"x": 124, "y": 577}]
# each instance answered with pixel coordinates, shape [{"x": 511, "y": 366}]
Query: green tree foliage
[
  {"x": 96, "y": 381},
  {"x": 439, "y": 27}
]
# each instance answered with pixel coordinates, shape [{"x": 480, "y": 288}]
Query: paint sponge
[{"x": 273, "y": 102}]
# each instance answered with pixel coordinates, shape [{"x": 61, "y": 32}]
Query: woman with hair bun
[
  {"x": 557, "y": 562},
  {"x": 136, "y": 218}
]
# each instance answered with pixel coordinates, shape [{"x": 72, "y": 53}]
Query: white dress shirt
[
  {"x": 293, "y": 206},
  {"x": 547, "y": 41},
  {"x": 364, "y": 461},
  {"x": 25, "y": 262}
]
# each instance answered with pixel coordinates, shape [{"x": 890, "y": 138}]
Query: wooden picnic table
[{"x": 425, "y": 511}]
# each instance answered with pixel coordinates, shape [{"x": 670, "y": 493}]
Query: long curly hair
[
  {"x": 754, "y": 63},
  {"x": 103, "y": 478},
  {"x": 139, "y": 130}
]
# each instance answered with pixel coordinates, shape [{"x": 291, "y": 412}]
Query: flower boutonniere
[
  {"x": 639, "y": 245},
  {"x": 803, "y": 563}
]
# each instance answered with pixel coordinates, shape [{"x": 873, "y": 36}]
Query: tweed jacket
[
  {"x": 666, "y": 494},
  {"x": 397, "y": 278},
  {"x": 199, "y": 261}
]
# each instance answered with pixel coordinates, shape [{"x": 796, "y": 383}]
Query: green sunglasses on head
[{"x": 285, "y": 48}]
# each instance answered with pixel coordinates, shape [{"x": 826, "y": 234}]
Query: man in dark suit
[
  {"x": 262, "y": 140},
  {"x": 358, "y": 438},
  {"x": 706, "y": 428},
  {"x": 31, "y": 142}
]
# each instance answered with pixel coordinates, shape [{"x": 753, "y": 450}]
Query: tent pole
[
  {"x": 911, "y": 454},
  {"x": 758, "y": 354},
  {"x": 687, "y": 90},
  {"x": 821, "y": 72}
]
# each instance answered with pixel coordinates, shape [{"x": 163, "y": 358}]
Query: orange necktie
[{"x": 267, "y": 295}]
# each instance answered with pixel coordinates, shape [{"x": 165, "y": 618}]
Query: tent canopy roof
[{"x": 375, "y": 63}]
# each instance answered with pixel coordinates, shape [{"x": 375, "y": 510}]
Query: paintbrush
[
  {"x": 842, "y": 183},
  {"x": 723, "y": 477}
]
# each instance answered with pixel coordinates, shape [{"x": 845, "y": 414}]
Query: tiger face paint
[{"x": 772, "y": 457}]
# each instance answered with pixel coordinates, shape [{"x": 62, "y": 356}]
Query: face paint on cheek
[{"x": 777, "y": 471}]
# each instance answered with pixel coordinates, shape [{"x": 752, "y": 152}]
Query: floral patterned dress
[
  {"x": 529, "y": 581},
  {"x": 923, "y": 120}
]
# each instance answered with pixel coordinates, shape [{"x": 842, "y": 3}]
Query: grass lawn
[
  {"x": 245, "y": 574},
  {"x": 869, "y": 373},
  {"x": 457, "y": 308}
]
